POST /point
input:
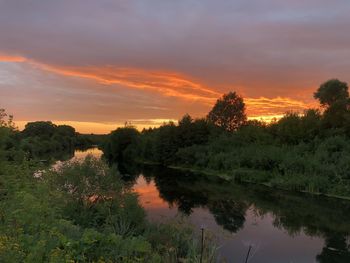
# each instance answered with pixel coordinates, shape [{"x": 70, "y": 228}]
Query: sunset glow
[{"x": 146, "y": 64}]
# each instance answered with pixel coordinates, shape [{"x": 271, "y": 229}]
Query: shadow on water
[{"x": 321, "y": 223}]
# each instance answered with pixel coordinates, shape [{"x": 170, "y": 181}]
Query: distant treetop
[{"x": 228, "y": 112}]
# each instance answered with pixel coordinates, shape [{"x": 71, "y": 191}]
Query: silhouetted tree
[
  {"x": 288, "y": 128},
  {"x": 39, "y": 128},
  {"x": 228, "y": 112},
  {"x": 311, "y": 123},
  {"x": 166, "y": 143},
  {"x": 334, "y": 97},
  {"x": 65, "y": 130},
  {"x": 6, "y": 120},
  {"x": 331, "y": 92},
  {"x": 192, "y": 132},
  {"x": 121, "y": 144},
  {"x": 44, "y": 139}
]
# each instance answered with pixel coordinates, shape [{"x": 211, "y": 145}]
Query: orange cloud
[
  {"x": 177, "y": 85},
  {"x": 169, "y": 84},
  {"x": 9, "y": 58},
  {"x": 274, "y": 107}
]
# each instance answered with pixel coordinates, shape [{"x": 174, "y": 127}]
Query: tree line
[
  {"x": 41, "y": 140},
  {"x": 307, "y": 151},
  {"x": 80, "y": 211}
]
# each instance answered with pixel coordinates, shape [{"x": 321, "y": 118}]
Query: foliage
[
  {"x": 121, "y": 144},
  {"x": 9, "y": 138},
  {"x": 228, "y": 112},
  {"x": 44, "y": 138},
  {"x": 302, "y": 152},
  {"x": 331, "y": 92},
  {"x": 334, "y": 97},
  {"x": 85, "y": 141},
  {"x": 230, "y": 203},
  {"x": 41, "y": 140},
  {"x": 80, "y": 212}
]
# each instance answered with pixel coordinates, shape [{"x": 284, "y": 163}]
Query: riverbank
[
  {"x": 227, "y": 177},
  {"x": 277, "y": 219},
  {"x": 89, "y": 217}
]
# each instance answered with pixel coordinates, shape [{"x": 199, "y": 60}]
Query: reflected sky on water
[
  {"x": 280, "y": 226},
  {"x": 269, "y": 243}
]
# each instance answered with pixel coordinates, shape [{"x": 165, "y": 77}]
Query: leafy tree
[
  {"x": 334, "y": 97},
  {"x": 310, "y": 124},
  {"x": 331, "y": 92},
  {"x": 166, "y": 144},
  {"x": 192, "y": 131},
  {"x": 8, "y": 138},
  {"x": 288, "y": 129},
  {"x": 2, "y": 117},
  {"x": 228, "y": 112},
  {"x": 39, "y": 128},
  {"x": 8, "y": 123},
  {"x": 119, "y": 146},
  {"x": 65, "y": 130},
  {"x": 43, "y": 139},
  {"x": 253, "y": 131}
]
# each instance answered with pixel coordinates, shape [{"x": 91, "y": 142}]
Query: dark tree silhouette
[
  {"x": 121, "y": 145},
  {"x": 332, "y": 92},
  {"x": 228, "y": 112},
  {"x": 39, "y": 128},
  {"x": 334, "y": 97}
]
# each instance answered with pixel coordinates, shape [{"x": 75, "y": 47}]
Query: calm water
[{"x": 280, "y": 226}]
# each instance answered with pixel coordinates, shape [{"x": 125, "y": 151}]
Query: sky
[{"x": 98, "y": 64}]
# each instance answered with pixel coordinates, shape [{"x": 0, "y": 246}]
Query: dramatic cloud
[{"x": 111, "y": 61}]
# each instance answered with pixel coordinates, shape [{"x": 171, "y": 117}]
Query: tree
[
  {"x": 310, "y": 124},
  {"x": 8, "y": 141},
  {"x": 6, "y": 123},
  {"x": 65, "y": 130},
  {"x": 334, "y": 97},
  {"x": 228, "y": 112},
  {"x": 2, "y": 118},
  {"x": 166, "y": 143},
  {"x": 39, "y": 128},
  {"x": 121, "y": 144},
  {"x": 331, "y": 92}
]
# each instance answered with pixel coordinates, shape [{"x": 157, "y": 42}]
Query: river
[{"x": 279, "y": 226}]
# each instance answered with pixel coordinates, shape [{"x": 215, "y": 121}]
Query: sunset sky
[{"x": 95, "y": 64}]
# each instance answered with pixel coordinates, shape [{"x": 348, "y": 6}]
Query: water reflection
[
  {"x": 336, "y": 249},
  {"x": 281, "y": 227}
]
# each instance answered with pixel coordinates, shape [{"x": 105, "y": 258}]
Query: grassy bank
[
  {"x": 231, "y": 177},
  {"x": 81, "y": 212}
]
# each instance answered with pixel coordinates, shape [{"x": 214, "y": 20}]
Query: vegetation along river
[{"x": 279, "y": 226}]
